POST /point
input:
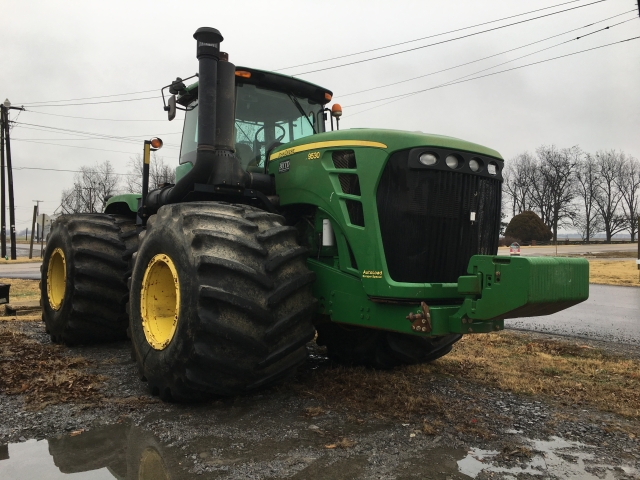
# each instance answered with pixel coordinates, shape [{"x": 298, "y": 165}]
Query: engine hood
[{"x": 394, "y": 140}]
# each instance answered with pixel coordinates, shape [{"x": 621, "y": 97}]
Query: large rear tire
[
  {"x": 220, "y": 301},
  {"x": 83, "y": 288},
  {"x": 352, "y": 345}
]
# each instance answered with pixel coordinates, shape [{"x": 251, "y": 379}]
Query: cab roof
[{"x": 270, "y": 81}]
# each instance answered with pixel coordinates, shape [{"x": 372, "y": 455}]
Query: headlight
[
  {"x": 452, "y": 161},
  {"x": 492, "y": 168},
  {"x": 474, "y": 164},
  {"x": 428, "y": 159}
]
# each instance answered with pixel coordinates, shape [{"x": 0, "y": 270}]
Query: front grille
[{"x": 425, "y": 224}]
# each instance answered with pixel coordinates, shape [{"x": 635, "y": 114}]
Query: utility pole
[
  {"x": 42, "y": 238},
  {"x": 36, "y": 210},
  {"x": 12, "y": 210},
  {"x": 33, "y": 229},
  {"x": 3, "y": 228}
]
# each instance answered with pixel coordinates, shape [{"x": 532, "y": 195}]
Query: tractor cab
[{"x": 271, "y": 110}]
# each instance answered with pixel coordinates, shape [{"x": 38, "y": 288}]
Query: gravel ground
[{"x": 280, "y": 433}]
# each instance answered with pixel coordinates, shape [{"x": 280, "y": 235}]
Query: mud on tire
[
  {"x": 89, "y": 303},
  {"x": 352, "y": 345},
  {"x": 245, "y": 309}
]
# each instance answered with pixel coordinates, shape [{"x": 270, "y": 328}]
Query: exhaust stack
[{"x": 216, "y": 164}]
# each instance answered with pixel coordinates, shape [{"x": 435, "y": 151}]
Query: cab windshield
[{"x": 265, "y": 119}]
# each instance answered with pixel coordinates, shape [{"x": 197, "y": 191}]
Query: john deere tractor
[{"x": 382, "y": 243}]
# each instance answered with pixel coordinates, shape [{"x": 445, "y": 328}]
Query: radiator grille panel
[{"x": 425, "y": 220}]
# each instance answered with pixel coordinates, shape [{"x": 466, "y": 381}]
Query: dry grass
[
  {"x": 22, "y": 290},
  {"x": 403, "y": 394},
  {"x": 609, "y": 272},
  {"x": 612, "y": 254},
  {"x": 563, "y": 370},
  {"x": 42, "y": 374}
]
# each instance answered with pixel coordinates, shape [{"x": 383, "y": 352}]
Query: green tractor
[{"x": 382, "y": 243}]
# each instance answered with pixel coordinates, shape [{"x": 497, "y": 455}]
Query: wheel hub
[
  {"x": 56, "y": 279},
  {"x": 160, "y": 301}
]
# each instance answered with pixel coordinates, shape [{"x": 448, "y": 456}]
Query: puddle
[
  {"x": 559, "y": 457},
  {"x": 127, "y": 452}
]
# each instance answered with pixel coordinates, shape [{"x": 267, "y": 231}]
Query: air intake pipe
[{"x": 215, "y": 163}]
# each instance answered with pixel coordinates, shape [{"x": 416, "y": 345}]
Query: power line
[
  {"x": 71, "y": 171},
  {"x": 484, "y": 58},
  {"x": 93, "y": 133},
  {"x": 91, "y": 98},
  {"x": 447, "y": 41},
  {"x": 97, "y": 136},
  {"x": 90, "y": 118},
  {"x": 421, "y": 38},
  {"x": 76, "y": 146},
  {"x": 88, "y": 137},
  {"x": 110, "y": 101},
  {"x": 396, "y": 98}
]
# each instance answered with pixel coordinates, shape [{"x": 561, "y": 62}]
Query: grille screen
[
  {"x": 344, "y": 159},
  {"x": 356, "y": 214},
  {"x": 425, "y": 221},
  {"x": 350, "y": 183}
]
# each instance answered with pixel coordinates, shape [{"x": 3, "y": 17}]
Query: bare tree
[
  {"x": 553, "y": 188},
  {"x": 91, "y": 189},
  {"x": 588, "y": 222},
  {"x": 609, "y": 197},
  {"x": 629, "y": 185},
  {"x": 159, "y": 173},
  {"x": 518, "y": 178}
]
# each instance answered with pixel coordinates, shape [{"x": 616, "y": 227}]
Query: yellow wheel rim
[
  {"x": 151, "y": 466},
  {"x": 160, "y": 301},
  {"x": 56, "y": 279}
]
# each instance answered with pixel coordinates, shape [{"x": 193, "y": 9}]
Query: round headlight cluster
[
  {"x": 452, "y": 162},
  {"x": 428, "y": 159},
  {"x": 456, "y": 162},
  {"x": 475, "y": 164}
]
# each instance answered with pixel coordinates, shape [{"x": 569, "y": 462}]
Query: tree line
[
  {"x": 94, "y": 185},
  {"x": 566, "y": 187}
]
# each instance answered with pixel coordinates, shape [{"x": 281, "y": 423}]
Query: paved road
[
  {"x": 22, "y": 250},
  {"x": 550, "y": 250},
  {"x": 21, "y": 270},
  {"x": 611, "y": 314}
]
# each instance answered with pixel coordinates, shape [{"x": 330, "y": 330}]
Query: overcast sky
[{"x": 74, "y": 49}]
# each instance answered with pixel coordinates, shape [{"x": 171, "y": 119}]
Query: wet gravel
[{"x": 273, "y": 435}]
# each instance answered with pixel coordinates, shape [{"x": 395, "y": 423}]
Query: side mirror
[{"x": 171, "y": 107}]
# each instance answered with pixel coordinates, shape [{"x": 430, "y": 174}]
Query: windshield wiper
[{"x": 301, "y": 110}]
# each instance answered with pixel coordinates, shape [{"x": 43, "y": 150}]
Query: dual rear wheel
[{"x": 84, "y": 271}]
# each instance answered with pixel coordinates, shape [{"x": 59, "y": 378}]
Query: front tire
[
  {"x": 352, "y": 345},
  {"x": 83, "y": 289},
  {"x": 220, "y": 301}
]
